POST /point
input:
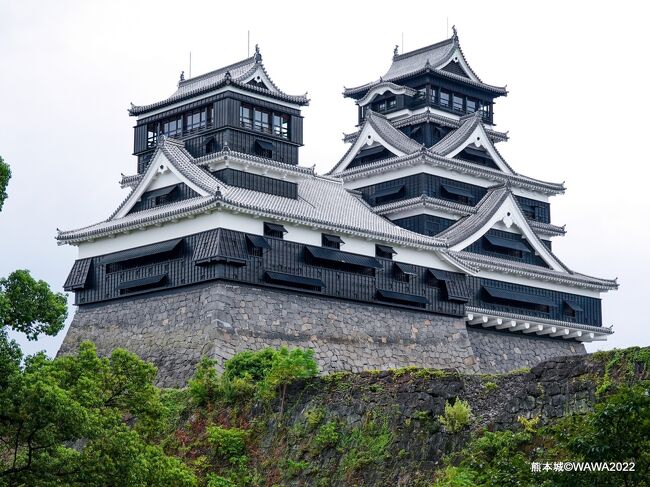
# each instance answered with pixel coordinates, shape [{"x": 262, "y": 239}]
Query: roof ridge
[
  {"x": 420, "y": 50},
  {"x": 218, "y": 71}
]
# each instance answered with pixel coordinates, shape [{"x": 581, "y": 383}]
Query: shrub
[
  {"x": 327, "y": 435},
  {"x": 490, "y": 386},
  {"x": 253, "y": 366},
  {"x": 528, "y": 424},
  {"x": 457, "y": 416},
  {"x": 314, "y": 417},
  {"x": 205, "y": 385},
  {"x": 229, "y": 443}
]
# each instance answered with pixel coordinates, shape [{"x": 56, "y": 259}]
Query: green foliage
[
  {"x": 219, "y": 481},
  {"x": 229, "y": 443},
  {"x": 490, "y": 386},
  {"x": 529, "y": 425},
  {"x": 628, "y": 363},
  {"x": 51, "y": 405},
  {"x": 314, "y": 417},
  {"x": 327, "y": 436},
  {"x": 254, "y": 366},
  {"x": 29, "y": 306},
  {"x": 286, "y": 366},
  {"x": 365, "y": 444},
  {"x": 5, "y": 175},
  {"x": 617, "y": 430},
  {"x": 205, "y": 384},
  {"x": 456, "y": 416}
]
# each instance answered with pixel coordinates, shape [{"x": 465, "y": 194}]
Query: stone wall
[
  {"x": 502, "y": 351},
  {"x": 175, "y": 329}
]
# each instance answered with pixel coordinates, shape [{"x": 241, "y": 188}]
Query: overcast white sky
[{"x": 577, "y": 73}]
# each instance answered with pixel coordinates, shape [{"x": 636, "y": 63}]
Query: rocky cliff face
[{"x": 383, "y": 428}]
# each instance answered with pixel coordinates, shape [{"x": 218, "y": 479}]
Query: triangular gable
[
  {"x": 164, "y": 170},
  {"x": 457, "y": 64},
  {"x": 260, "y": 78},
  {"x": 498, "y": 206},
  {"x": 471, "y": 134},
  {"x": 373, "y": 135}
]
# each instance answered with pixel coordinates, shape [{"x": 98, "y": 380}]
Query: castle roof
[
  {"x": 248, "y": 74},
  {"x": 322, "y": 202},
  {"x": 434, "y": 58}
]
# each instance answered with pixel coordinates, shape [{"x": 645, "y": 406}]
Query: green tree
[
  {"x": 5, "y": 175},
  {"x": 84, "y": 420},
  {"x": 287, "y": 366}
]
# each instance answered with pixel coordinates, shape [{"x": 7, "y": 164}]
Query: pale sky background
[{"x": 577, "y": 73}]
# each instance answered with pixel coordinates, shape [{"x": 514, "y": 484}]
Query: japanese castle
[{"x": 421, "y": 213}]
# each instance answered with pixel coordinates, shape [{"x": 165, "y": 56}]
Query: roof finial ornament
[
  {"x": 226, "y": 148},
  {"x": 228, "y": 77},
  {"x": 257, "y": 56},
  {"x": 455, "y": 32},
  {"x": 182, "y": 78},
  {"x": 396, "y": 51}
]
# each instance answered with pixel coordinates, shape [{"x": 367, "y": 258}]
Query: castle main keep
[{"x": 421, "y": 246}]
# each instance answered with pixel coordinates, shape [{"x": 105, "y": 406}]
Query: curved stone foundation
[{"x": 174, "y": 329}]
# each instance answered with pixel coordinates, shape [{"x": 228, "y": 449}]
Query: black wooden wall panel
[{"x": 288, "y": 257}]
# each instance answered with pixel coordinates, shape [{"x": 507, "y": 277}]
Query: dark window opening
[
  {"x": 387, "y": 195},
  {"x": 384, "y": 251},
  {"x": 143, "y": 256},
  {"x": 403, "y": 272},
  {"x": 211, "y": 146},
  {"x": 341, "y": 261},
  {"x": 332, "y": 241},
  {"x": 402, "y": 298},
  {"x": 256, "y": 245},
  {"x": 274, "y": 230},
  {"x": 292, "y": 280},
  {"x": 571, "y": 309},
  {"x": 471, "y": 105},
  {"x": 513, "y": 299},
  {"x": 459, "y": 195},
  {"x": 458, "y": 103},
  {"x": 143, "y": 284},
  {"x": 504, "y": 246},
  {"x": 264, "y": 149}
]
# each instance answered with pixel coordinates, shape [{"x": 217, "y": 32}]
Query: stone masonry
[{"x": 174, "y": 329}]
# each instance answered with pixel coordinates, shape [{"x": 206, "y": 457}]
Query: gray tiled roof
[
  {"x": 424, "y": 201},
  {"x": 233, "y": 74},
  {"x": 391, "y": 86},
  {"x": 422, "y": 60},
  {"x": 323, "y": 202}
]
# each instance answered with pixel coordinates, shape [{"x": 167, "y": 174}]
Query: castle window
[
  {"x": 332, "y": 241},
  {"x": 403, "y": 272},
  {"x": 256, "y": 245},
  {"x": 505, "y": 297},
  {"x": 261, "y": 120},
  {"x": 456, "y": 194},
  {"x": 571, "y": 309},
  {"x": 341, "y": 261},
  {"x": 274, "y": 230},
  {"x": 433, "y": 95},
  {"x": 281, "y": 125},
  {"x": 384, "y": 251},
  {"x": 141, "y": 256},
  {"x": 246, "y": 116},
  {"x": 391, "y": 103},
  {"x": 471, "y": 105},
  {"x": 444, "y": 98},
  {"x": 198, "y": 119},
  {"x": 264, "y": 148},
  {"x": 458, "y": 103},
  {"x": 173, "y": 127},
  {"x": 152, "y": 134},
  {"x": 505, "y": 246}
]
